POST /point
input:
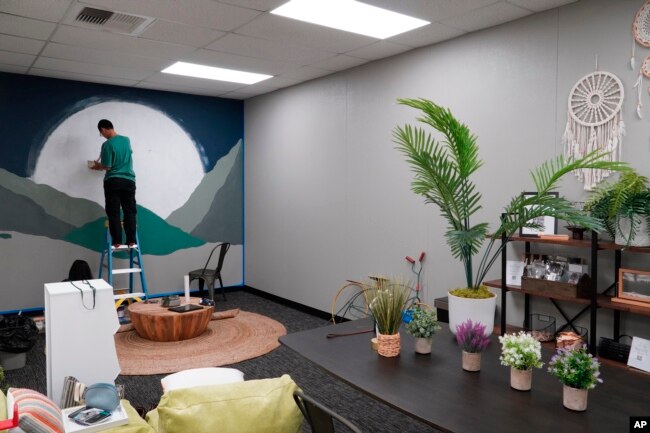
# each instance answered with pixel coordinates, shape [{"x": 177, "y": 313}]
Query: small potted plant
[
  {"x": 579, "y": 372},
  {"x": 472, "y": 340},
  {"x": 521, "y": 352},
  {"x": 387, "y": 300},
  {"x": 422, "y": 326}
]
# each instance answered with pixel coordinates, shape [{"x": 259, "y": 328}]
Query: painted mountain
[{"x": 213, "y": 213}]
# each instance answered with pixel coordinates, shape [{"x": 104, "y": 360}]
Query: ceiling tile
[
  {"x": 106, "y": 41},
  {"x": 431, "y": 10},
  {"x": 242, "y": 63},
  {"x": 306, "y": 73},
  {"x": 540, "y": 5},
  {"x": 91, "y": 69},
  {"x": 14, "y": 69},
  {"x": 488, "y": 16},
  {"x": 19, "y": 26},
  {"x": 196, "y": 83},
  {"x": 168, "y": 31},
  {"x": 20, "y": 45},
  {"x": 339, "y": 63},
  {"x": 266, "y": 49},
  {"x": 80, "y": 77},
  {"x": 281, "y": 29},
  {"x": 205, "y": 13},
  {"x": 50, "y": 10},
  {"x": 88, "y": 55},
  {"x": 258, "y": 5},
  {"x": 427, "y": 35},
  {"x": 166, "y": 87},
  {"x": 17, "y": 59},
  {"x": 379, "y": 50}
]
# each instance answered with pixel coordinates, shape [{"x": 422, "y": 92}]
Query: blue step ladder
[{"x": 135, "y": 267}]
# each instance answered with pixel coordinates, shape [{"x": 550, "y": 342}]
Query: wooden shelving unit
[{"x": 594, "y": 302}]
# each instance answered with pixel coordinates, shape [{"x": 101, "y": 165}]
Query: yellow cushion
[
  {"x": 260, "y": 406},
  {"x": 3, "y": 408}
]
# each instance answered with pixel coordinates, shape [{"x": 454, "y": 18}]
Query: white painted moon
[{"x": 166, "y": 161}]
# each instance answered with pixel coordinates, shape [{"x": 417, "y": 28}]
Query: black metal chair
[
  {"x": 320, "y": 418},
  {"x": 209, "y": 276}
]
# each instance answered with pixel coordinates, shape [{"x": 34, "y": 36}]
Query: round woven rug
[{"x": 227, "y": 341}]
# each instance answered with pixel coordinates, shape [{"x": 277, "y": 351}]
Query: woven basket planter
[{"x": 388, "y": 345}]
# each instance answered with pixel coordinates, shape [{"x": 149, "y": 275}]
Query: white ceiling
[{"x": 36, "y": 39}]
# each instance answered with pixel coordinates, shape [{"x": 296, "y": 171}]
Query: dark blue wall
[{"x": 32, "y": 107}]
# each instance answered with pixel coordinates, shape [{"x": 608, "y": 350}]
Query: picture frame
[
  {"x": 549, "y": 223},
  {"x": 633, "y": 287}
]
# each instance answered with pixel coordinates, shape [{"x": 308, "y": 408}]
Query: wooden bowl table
[{"x": 157, "y": 323}]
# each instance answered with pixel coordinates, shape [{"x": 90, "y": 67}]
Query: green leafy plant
[
  {"x": 576, "y": 368},
  {"x": 423, "y": 324},
  {"x": 520, "y": 351},
  {"x": 628, "y": 197},
  {"x": 443, "y": 176},
  {"x": 387, "y": 299}
]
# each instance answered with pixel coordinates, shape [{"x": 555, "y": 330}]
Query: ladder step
[
  {"x": 129, "y": 295},
  {"x": 127, "y": 271}
]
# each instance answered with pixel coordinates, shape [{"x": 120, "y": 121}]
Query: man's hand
[{"x": 95, "y": 165}]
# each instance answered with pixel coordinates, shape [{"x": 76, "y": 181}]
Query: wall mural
[{"x": 188, "y": 160}]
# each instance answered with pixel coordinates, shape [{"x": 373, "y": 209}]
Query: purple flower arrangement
[
  {"x": 576, "y": 368},
  {"x": 471, "y": 336}
]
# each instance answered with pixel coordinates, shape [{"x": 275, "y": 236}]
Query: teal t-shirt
[{"x": 117, "y": 154}]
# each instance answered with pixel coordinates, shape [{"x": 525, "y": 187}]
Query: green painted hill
[{"x": 157, "y": 237}]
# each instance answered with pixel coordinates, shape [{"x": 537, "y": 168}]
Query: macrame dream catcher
[
  {"x": 594, "y": 122},
  {"x": 641, "y": 34}
]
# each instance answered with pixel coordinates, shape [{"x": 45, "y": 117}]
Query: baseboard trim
[{"x": 289, "y": 303}]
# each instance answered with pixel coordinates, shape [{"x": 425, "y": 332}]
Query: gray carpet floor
[{"x": 145, "y": 391}]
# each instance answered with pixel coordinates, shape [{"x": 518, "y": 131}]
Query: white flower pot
[
  {"x": 574, "y": 398},
  {"x": 479, "y": 310},
  {"x": 423, "y": 345},
  {"x": 521, "y": 380},
  {"x": 641, "y": 236}
]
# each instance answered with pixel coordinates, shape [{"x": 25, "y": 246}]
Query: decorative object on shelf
[
  {"x": 472, "y": 339},
  {"x": 623, "y": 207},
  {"x": 613, "y": 348},
  {"x": 579, "y": 372},
  {"x": 639, "y": 357},
  {"x": 577, "y": 232},
  {"x": 443, "y": 176},
  {"x": 572, "y": 339},
  {"x": 387, "y": 300},
  {"x": 633, "y": 287},
  {"x": 521, "y": 352},
  {"x": 423, "y": 324},
  {"x": 540, "y": 225},
  {"x": 594, "y": 122},
  {"x": 542, "y": 327}
]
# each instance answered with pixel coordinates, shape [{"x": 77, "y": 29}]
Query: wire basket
[
  {"x": 613, "y": 349},
  {"x": 541, "y": 327}
]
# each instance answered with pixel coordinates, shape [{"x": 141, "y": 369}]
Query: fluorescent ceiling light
[
  {"x": 351, "y": 16},
  {"x": 212, "y": 73}
]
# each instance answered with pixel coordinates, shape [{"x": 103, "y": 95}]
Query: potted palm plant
[
  {"x": 623, "y": 206},
  {"x": 443, "y": 176}
]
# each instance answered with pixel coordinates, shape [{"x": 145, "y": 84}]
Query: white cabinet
[{"x": 80, "y": 334}]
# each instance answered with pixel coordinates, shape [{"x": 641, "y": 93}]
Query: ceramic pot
[
  {"x": 423, "y": 345},
  {"x": 574, "y": 398},
  {"x": 471, "y": 361},
  {"x": 388, "y": 345},
  {"x": 479, "y": 310},
  {"x": 521, "y": 380}
]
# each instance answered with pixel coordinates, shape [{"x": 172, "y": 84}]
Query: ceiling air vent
[{"x": 116, "y": 22}]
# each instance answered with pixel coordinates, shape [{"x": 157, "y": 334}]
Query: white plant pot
[
  {"x": 479, "y": 310},
  {"x": 423, "y": 345},
  {"x": 641, "y": 236}
]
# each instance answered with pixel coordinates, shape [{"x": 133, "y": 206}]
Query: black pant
[{"x": 120, "y": 192}]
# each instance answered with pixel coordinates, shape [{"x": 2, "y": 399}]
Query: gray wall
[{"x": 327, "y": 194}]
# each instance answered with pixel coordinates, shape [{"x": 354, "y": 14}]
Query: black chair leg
[
  {"x": 223, "y": 291},
  {"x": 201, "y": 283}
]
